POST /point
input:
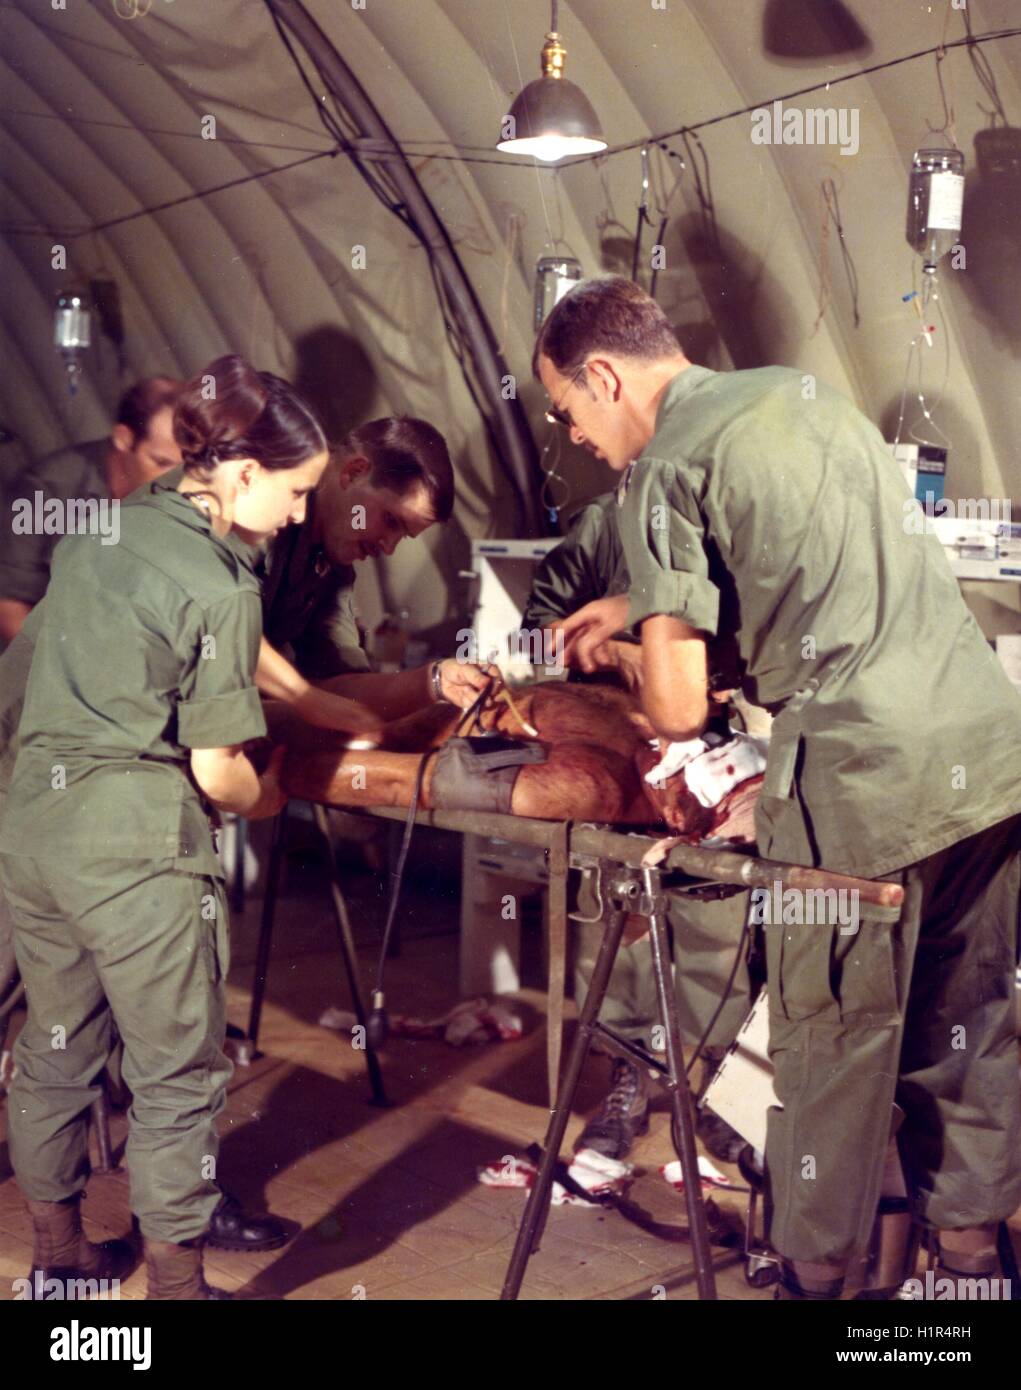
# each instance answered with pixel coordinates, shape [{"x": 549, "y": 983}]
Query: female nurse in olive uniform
[{"x": 139, "y": 700}]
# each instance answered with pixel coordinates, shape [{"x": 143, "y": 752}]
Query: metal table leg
[
  {"x": 269, "y": 907},
  {"x": 537, "y": 1206},
  {"x": 349, "y": 956},
  {"x": 683, "y": 1127},
  {"x": 628, "y": 893}
]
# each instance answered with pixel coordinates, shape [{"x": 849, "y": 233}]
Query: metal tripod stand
[
  {"x": 345, "y": 941},
  {"x": 630, "y": 890}
]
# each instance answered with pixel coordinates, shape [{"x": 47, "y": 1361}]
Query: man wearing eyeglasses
[{"x": 765, "y": 508}]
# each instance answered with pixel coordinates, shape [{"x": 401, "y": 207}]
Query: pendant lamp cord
[{"x": 553, "y": 17}]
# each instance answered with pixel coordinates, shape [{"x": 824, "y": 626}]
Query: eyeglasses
[{"x": 555, "y": 415}]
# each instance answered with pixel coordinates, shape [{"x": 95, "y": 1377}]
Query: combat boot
[
  {"x": 175, "y": 1272},
  {"x": 623, "y": 1115},
  {"x": 717, "y": 1137},
  {"x": 61, "y": 1253}
]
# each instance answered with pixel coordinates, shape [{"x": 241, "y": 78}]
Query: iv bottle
[
  {"x": 935, "y": 199},
  {"x": 554, "y": 276},
  {"x": 71, "y": 332}
]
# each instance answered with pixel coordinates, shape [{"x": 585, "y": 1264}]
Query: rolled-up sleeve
[
  {"x": 664, "y": 549},
  {"x": 219, "y": 705}
]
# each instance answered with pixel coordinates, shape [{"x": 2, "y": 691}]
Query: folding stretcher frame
[{"x": 631, "y": 877}]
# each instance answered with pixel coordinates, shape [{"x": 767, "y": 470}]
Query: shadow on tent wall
[
  {"x": 748, "y": 307},
  {"x": 991, "y": 237},
  {"x": 336, "y": 375},
  {"x": 807, "y": 30}
]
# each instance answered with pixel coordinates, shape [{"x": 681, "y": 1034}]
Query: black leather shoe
[{"x": 233, "y": 1228}]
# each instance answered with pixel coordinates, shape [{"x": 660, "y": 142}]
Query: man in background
[{"x": 140, "y": 447}]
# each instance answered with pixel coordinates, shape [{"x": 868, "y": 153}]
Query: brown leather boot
[
  {"x": 175, "y": 1271},
  {"x": 61, "y": 1252}
]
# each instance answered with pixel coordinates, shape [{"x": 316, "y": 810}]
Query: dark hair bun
[
  {"x": 231, "y": 411},
  {"x": 217, "y": 409}
]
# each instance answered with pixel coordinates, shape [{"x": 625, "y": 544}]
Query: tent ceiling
[{"x": 103, "y": 116}]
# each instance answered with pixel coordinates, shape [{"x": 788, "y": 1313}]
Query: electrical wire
[
  {"x": 70, "y": 235},
  {"x": 155, "y": 130},
  {"x": 643, "y": 214},
  {"x": 949, "y": 126},
  {"x": 972, "y": 42},
  {"x": 984, "y": 73},
  {"x": 970, "y": 39},
  {"x": 831, "y": 214}
]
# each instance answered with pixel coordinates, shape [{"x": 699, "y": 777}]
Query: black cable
[
  {"x": 388, "y": 197},
  {"x": 660, "y": 234},
  {"x": 850, "y": 269},
  {"x": 643, "y": 218},
  {"x": 985, "y": 74},
  {"x": 991, "y": 37},
  {"x": 972, "y": 42},
  {"x": 464, "y": 153},
  {"x": 725, "y": 995},
  {"x": 185, "y": 198},
  {"x": 391, "y": 200},
  {"x": 378, "y": 1024},
  {"x": 155, "y": 130}
]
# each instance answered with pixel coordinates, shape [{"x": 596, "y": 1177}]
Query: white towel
[
  {"x": 712, "y": 766},
  {"x": 718, "y": 771},
  {"x": 678, "y": 755}
]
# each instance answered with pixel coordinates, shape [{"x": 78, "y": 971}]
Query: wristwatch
[{"x": 437, "y": 683}]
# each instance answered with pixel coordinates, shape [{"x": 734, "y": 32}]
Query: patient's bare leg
[
  {"x": 589, "y": 773},
  {"x": 577, "y": 782},
  {"x": 352, "y": 777}
]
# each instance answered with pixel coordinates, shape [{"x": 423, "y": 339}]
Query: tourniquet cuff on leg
[{"x": 478, "y": 774}]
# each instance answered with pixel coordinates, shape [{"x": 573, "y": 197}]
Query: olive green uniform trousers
[
  {"x": 918, "y": 1011},
  {"x": 143, "y": 946}
]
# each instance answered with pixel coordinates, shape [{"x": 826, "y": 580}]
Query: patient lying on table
[{"x": 579, "y": 752}]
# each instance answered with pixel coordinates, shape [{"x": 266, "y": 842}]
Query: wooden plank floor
[{"x": 388, "y": 1200}]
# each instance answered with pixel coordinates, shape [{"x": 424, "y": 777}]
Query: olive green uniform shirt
[
  {"x": 144, "y": 650},
  {"x": 308, "y": 605},
  {"x": 782, "y": 526},
  {"x": 25, "y": 557},
  {"x": 587, "y": 564}
]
